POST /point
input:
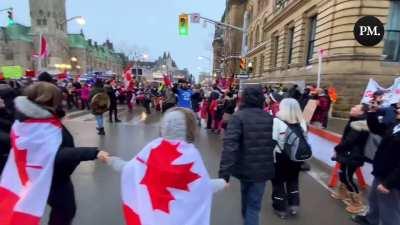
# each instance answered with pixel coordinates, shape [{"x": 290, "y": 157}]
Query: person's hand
[
  {"x": 2, "y": 105},
  {"x": 373, "y": 106},
  {"x": 103, "y": 156},
  {"x": 382, "y": 189}
]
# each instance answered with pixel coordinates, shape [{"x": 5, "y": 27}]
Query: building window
[
  {"x": 44, "y": 22},
  {"x": 261, "y": 70},
  {"x": 39, "y": 22},
  {"x": 312, "y": 28},
  {"x": 275, "y": 50},
  {"x": 280, "y": 4},
  {"x": 257, "y": 38},
  {"x": 392, "y": 36},
  {"x": 290, "y": 44}
]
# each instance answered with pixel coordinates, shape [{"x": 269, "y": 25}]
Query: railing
[{"x": 392, "y": 45}]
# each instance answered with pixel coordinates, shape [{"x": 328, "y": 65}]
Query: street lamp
[{"x": 79, "y": 19}]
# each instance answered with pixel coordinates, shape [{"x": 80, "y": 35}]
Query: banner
[
  {"x": 310, "y": 109},
  {"x": 12, "y": 72},
  {"x": 391, "y": 94}
]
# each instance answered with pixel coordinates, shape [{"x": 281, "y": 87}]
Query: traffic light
[
  {"x": 183, "y": 25},
  {"x": 10, "y": 17}
]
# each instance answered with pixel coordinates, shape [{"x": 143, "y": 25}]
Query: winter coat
[
  {"x": 112, "y": 95},
  {"x": 285, "y": 168},
  {"x": 196, "y": 99},
  {"x": 247, "y": 145},
  {"x": 85, "y": 93},
  {"x": 99, "y": 101},
  {"x": 67, "y": 158},
  {"x": 322, "y": 110},
  {"x": 6, "y": 121},
  {"x": 350, "y": 150},
  {"x": 386, "y": 164}
]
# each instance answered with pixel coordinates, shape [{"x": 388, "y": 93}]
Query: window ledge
[{"x": 390, "y": 64}]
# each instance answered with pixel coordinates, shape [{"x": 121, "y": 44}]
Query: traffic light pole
[
  {"x": 2, "y": 10},
  {"x": 225, "y": 25}
]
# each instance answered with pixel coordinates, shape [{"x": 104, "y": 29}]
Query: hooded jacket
[
  {"x": 68, "y": 156},
  {"x": 247, "y": 145},
  {"x": 350, "y": 150},
  {"x": 6, "y": 121}
]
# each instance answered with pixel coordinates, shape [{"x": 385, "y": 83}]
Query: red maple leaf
[
  {"x": 20, "y": 159},
  {"x": 162, "y": 174}
]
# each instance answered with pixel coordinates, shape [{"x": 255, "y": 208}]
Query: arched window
[{"x": 257, "y": 37}]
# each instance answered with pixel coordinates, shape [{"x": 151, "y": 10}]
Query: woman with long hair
[{"x": 285, "y": 195}]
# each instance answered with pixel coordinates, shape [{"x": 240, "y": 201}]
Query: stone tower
[{"x": 48, "y": 17}]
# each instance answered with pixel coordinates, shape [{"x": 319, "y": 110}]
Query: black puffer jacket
[
  {"x": 350, "y": 150},
  {"x": 248, "y": 146},
  {"x": 386, "y": 165},
  {"x": 6, "y": 121}
]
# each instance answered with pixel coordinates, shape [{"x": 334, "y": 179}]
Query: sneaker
[
  {"x": 281, "y": 214},
  {"x": 118, "y": 121},
  {"x": 362, "y": 220}
]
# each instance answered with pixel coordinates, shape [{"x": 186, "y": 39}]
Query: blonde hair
[{"x": 290, "y": 112}]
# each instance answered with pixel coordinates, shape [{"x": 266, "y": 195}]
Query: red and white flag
[
  {"x": 44, "y": 51},
  {"x": 167, "y": 184},
  {"x": 26, "y": 179}
]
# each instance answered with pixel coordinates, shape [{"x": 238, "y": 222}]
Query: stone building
[
  {"x": 48, "y": 17},
  {"x": 285, "y": 36},
  {"x": 228, "y": 50}
]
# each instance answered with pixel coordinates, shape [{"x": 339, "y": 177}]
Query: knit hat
[{"x": 178, "y": 124}]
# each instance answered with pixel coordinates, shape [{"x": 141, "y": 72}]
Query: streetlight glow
[{"x": 81, "y": 21}]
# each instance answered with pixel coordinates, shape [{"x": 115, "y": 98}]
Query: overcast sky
[{"x": 150, "y": 25}]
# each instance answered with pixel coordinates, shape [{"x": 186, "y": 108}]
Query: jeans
[
  {"x": 99, "y": 121},
  {"x": 252, "y": 195},
  {"x": 384, "y": 209}
]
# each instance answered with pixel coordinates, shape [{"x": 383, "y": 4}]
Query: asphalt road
[{"x": 97, "y": 187}]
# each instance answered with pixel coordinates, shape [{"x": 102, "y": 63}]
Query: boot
[
  {"x": 356, "y": 205},
  {"x": 341, "y": 193},
  {"x": 101, "y": 131}
]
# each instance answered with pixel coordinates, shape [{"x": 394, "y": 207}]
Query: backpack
[{"x": 296, "y": 146}]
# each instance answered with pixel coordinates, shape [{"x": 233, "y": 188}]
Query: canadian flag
[
  {"x": 167, "y": 184},
  {"x": 26, "y": 179},
  {"x": 44, "y": 51}
]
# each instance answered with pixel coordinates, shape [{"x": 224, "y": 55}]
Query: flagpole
[{"x": 39, "y": 55}]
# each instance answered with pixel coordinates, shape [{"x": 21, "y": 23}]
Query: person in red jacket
[{"x": 322, "y": 111}]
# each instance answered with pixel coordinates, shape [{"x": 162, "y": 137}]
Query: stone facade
[
  {"x": 228, "y": 50},
  {"x": 282, "y": 46},
  {"x": 48, "y": 17}
]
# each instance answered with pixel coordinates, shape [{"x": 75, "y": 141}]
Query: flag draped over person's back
[
  {"x": 26, "y": 179},
  {"x": 166, "y": 184}
]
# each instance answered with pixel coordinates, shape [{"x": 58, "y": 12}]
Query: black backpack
[{"x": 296, "y": 145}]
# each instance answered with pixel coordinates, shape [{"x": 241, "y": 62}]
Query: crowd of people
[{"x": 264, "y": 136}]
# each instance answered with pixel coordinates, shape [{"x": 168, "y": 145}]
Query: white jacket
[{"x": 279, "y": 133}]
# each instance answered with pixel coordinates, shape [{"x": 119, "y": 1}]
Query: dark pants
[
  {"x": 346, "y": 175},
  {"x": 209, "y": 120},
  {"x": 85, "y": 104},
  {"x": 113, "y": 111},
  {"x": 146, "y": 105},
  {"x": 252, "y": 195},
  {"x": 62, "y": 203},
  {"x": 285, "y": 192},
  {"x": 384, "y": 209}
]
